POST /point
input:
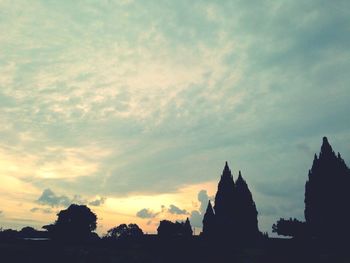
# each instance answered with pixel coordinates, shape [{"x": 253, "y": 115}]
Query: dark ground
[{"x": 153, "y": 250}]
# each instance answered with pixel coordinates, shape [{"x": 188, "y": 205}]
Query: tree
[
  {"x": 123, "y": 232},
  {"x": 168, "y": 229},
  {"x": 8, "y": 234},
  {"x": 291, "y": 227},
  {"x": 75, "y": 223},
  {"x": 28, "y": 231}
]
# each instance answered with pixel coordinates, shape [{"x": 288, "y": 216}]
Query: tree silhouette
[
  {"x": 327, "y": 209},
  {"x": 30, "y": 232},
  {"x": 8, "y": 234},
  {"x": 123, "y": 232},
  {"x": 169, "y": 229},
  {"x": 75, "y": 223},
  {"x": 291, "y": 227},
  {"x": 27, "y": 232}
]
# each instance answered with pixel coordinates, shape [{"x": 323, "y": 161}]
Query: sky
[{"x": 133, "y": 107}]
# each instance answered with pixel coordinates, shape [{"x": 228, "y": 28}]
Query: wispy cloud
[{"x": 42, "y": 210}]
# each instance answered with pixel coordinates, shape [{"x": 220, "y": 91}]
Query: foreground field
[{"x": 158, "y": 251}]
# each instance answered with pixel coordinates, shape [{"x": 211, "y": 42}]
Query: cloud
[
  {"x": 42, "y": 210},
  {"x": 197, "y": 216},
  {"x": 98, "y": 202},
  {"x": 177, "y": 211},
  {"x": 203, "y": 198},
  {"x": 48, "y": 197},
  {"x": 146, "y": 213},
  {"x": 196, "y": 219},
  {"x": 78, "y": 199},
  {"x": 282, "y": 188}
]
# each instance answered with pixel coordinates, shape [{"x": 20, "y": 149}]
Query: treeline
[
  {"x": 77, "y": 224},
  {"x": 25, "y": 233}
]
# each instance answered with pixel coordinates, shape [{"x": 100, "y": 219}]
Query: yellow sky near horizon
[{"x": 19, "y": 198}]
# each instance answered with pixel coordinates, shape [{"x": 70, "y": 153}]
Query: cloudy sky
[{"x": 133, "y": 107}]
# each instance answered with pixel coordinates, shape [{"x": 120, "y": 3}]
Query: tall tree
[{"x": 75, "y": 223}]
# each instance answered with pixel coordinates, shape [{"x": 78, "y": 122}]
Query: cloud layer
[{"x": 143, "y": 97}]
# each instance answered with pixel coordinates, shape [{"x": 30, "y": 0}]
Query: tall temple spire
[
  {"x": 239, "y": 175},
  {"x": 225, "y": 195},
  {"x": 235, "y": 215},
  {"x": 246, "y": 212},
  {"x": 326, "y": 149},
  {"x": 209, "y": 221},
  {"x": 226, "y": 171},
  {"x": 327, "y": 195}
]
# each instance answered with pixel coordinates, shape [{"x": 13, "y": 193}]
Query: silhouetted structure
[
  {"x": 246, "y": 217},
  {"x": 75, "y": 223},
  {"x": 235, "y": 215},
  {"x": 327, "y": 195},
  {"x": 187, "y": 228},
  {"x": 327, "y": 200},
  {"x": 224, "y": 204},
  {"x": 169, "y": 229},
  {"x": 209, "y": 221}
]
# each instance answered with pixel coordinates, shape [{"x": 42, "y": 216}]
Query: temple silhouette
[
  {"x": 230, "y": 230},
  {"x": 327, "y": 201},
  {"x": 327, "y": 196},
  {"x": 234, "y": 216}
]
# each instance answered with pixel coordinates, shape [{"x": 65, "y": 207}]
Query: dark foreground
[{"x": 273, "y": 250}]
